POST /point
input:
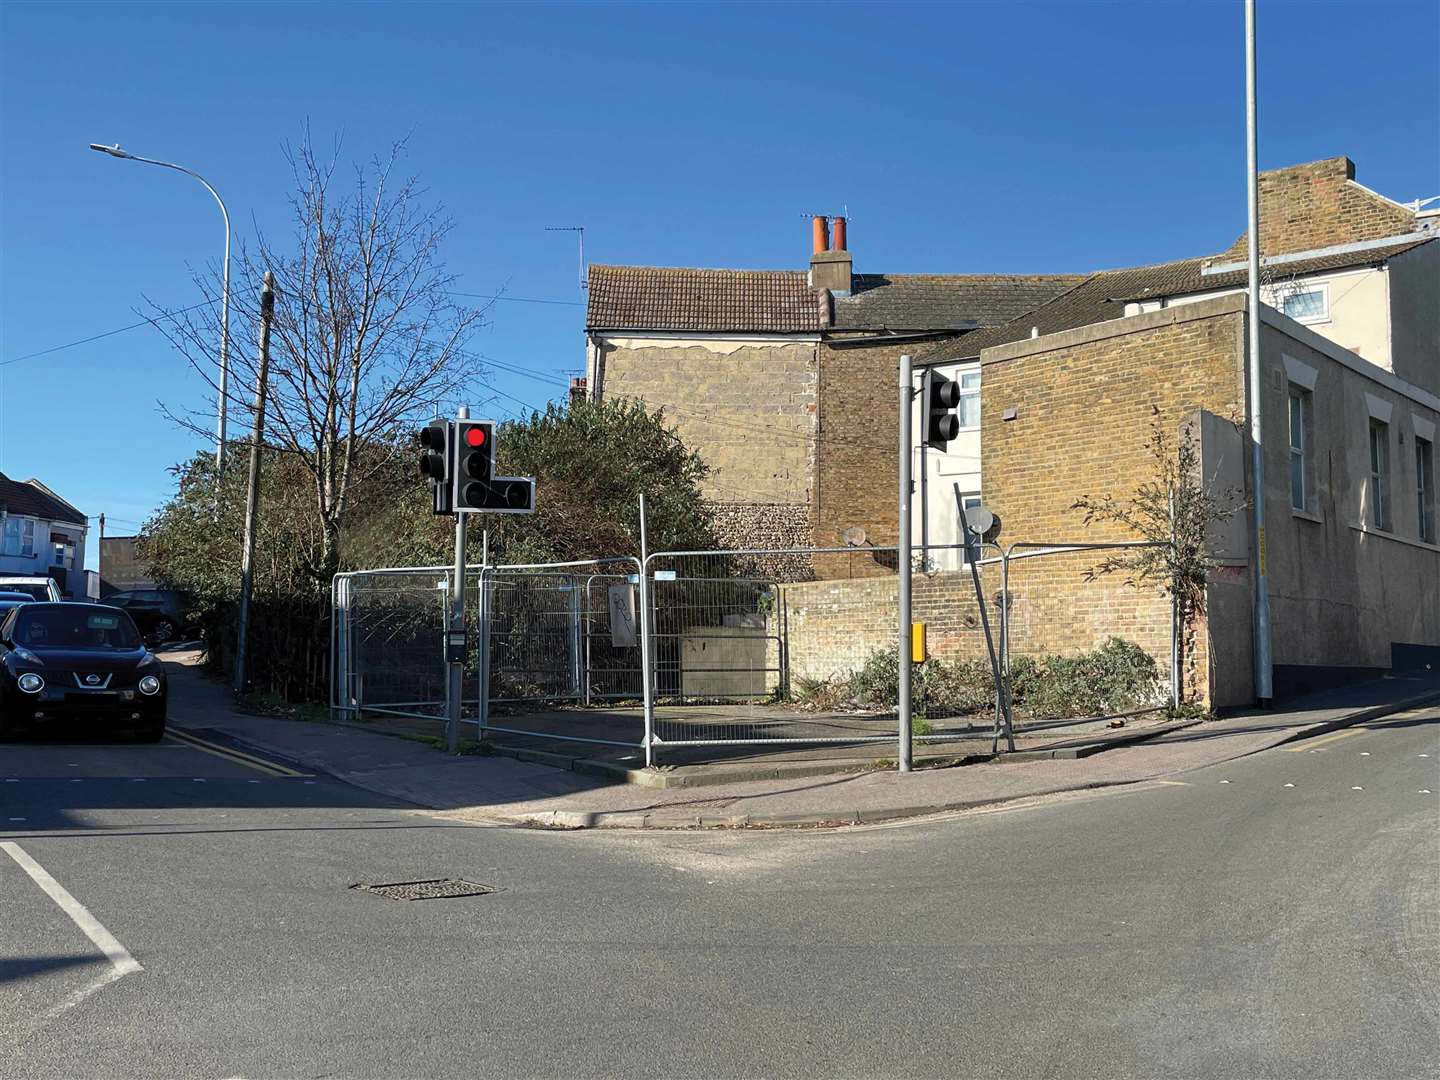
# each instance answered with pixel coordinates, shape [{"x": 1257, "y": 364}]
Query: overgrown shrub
[{"x": 1117, "y": 677}]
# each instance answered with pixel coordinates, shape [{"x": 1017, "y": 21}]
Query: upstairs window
[
  {"x": 969, "y": 411},
  {"x": 1425, "y": 487},
  {"x": 1307, "y": 305},
  {"x": 1379, "y": 474},
  {"x": 18, "y": 537}
]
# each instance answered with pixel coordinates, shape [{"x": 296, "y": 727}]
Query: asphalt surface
[{"x": 1228, "y": 925}]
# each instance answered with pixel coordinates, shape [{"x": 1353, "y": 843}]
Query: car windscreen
[
  {"x": 34, "y": 591},
  {"x": 41, "y": 627}
]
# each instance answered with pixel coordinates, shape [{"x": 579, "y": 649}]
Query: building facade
[{"x": 42, "y": 535}]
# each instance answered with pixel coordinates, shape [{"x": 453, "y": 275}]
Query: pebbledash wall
[{"x": 746, "y": 404}]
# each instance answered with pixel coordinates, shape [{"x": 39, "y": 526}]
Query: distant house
[
  {"x": 784, "y": 380},
  {"x": 41, "y": 535},
  {"x": 120, "y": 566}
]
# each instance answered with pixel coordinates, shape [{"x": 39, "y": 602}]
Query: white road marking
[
  {"x": 116, "y": 953},
  {"x": 1364, "y": 753},
  {"x": 1289, "y": 785},
  {"x": 1424, "y": 791},
  {"x": 1224, "y": 781},
  {"x": 1356, "y": 787}
]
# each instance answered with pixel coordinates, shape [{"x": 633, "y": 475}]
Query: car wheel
[
  {"x": 150, "y": 732},
  {"x": 162, "y": 631}
]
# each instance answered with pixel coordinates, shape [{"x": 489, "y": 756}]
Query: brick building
[
  {"x": 786, "y": 384},
  {"x": 783, "y": 380}
]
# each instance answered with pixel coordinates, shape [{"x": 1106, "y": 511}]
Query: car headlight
[
  {"x": 31, "y": 683},
  {"x": 149, "y": 685}
]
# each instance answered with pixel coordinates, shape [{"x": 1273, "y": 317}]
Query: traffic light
[
  {"x": 476, "y": 487},
  {"x": 436, "y": 462},
  {"x": 940, "y": 397}
]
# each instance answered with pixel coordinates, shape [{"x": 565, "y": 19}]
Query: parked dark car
[
  {"x": 159, "y": 613},
  {"x": 64, "y": 663},
  {"x": 10, "y": 600}
]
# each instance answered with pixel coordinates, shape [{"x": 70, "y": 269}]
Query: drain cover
[{"x": 433, "y": 889}]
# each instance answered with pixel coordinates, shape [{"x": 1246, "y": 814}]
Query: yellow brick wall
[{"x": 1084, "y": 404}]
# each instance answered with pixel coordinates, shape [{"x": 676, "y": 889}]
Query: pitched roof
[
  {"x": 1102, "y": 295},
  {"x": 944, "y": 301},
  {"x": 33, "y": 499},
  {"x": 682, "y": 298},
  {"x": 781, "y": 301}
]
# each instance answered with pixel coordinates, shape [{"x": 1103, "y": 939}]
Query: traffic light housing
[
  {"x": 475, "y": 487},
  {"x": 437, "y": 462},
  {"x": 939, "y": 399}
]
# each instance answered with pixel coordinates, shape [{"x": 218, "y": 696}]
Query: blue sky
[{"x": 962, "y": 137}]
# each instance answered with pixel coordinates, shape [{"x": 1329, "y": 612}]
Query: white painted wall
[
  {"x": 939, "y": 472},
  {"x": 38, "y": 563},
  {"x": 1357, "y": 313}
]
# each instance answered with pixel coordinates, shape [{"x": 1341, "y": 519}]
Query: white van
[{"x": 42, "y": 588}]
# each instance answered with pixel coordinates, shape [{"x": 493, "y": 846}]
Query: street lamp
[{"x": 115, "y": 151}]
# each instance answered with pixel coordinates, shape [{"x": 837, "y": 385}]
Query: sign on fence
[{"x": 622, "y": 617}]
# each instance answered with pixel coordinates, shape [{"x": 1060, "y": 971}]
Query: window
[
  {"x": 1379, "y": 474},
  {"x": 970, "y": 502},
  {"x": 1306, "y": 305},
  {"x": 1302, "y": 453},
  {"x": 19, "y": 538},
  {"x": 64, "y": 550},
  {"x": 1425, "y": 487},
  {"x": 969, "y": 411}
]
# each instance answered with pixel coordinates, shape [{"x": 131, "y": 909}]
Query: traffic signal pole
[
  {"x": 455, "y": 691},
  {"x": 905, "y": 661}
]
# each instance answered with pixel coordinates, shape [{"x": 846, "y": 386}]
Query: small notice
[
  {"x": 622, "y": 617},
  {"x": 664, "y": 575}
]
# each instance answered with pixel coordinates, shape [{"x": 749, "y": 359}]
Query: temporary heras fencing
[{"x": 712, "y": 648}]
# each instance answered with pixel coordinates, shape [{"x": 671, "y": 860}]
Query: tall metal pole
[
  {"x": 646, "y": 679},
  {"x": 1261, "y": 621},
  {"x": 455, "y": 693},
  {"x": 115, "y": 151},
  {"x": 252, "y": 489},
  {"x": 906, "y": 453}
]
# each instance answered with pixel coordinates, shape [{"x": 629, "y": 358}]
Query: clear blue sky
[{"x": 962, "y": 137}]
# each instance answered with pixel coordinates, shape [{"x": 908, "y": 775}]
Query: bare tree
[
  {"x": 366, "y": 335},
  {"x": 1175, "y": 508}
]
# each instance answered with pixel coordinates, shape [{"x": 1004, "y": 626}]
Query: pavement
[
  {"x": 179, "y": 909},
  {"x": 565, "y": 789}
]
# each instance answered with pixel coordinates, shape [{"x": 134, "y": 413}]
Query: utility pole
[
  {"x": 454, "y": 698},
  {"x": 1261, "y": 621},
  {"x": 100, "y": 559},
  {"x": 252, "y": 490},
  {"x": 906, "y": 455}
]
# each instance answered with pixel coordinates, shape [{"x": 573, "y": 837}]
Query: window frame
[
  {"x": 961, "y": 375},
  {"x": 1283, "y": 295},
  {"x": 1379, "y": 453},
  {"x": 1305, "y": 452},
  {"x": 1425, "y": 488}
]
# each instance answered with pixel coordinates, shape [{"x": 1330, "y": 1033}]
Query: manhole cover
[{"x": 433, "y": 889}]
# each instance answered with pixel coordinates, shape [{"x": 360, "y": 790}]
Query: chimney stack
[
  {"x": 830, "y": 267},
  {"x": 820, "y": 233}
]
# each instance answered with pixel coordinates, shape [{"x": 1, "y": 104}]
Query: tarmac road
[{"x": 1275, "y": 916}]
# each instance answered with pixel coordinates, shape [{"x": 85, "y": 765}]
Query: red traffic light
[{"x": 475, "y": 436}]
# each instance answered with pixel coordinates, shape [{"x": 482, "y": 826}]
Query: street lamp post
[{"x": 115, "y": 151}]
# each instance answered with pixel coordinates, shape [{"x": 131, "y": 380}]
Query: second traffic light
[
  {"x": 475, "y": 485},
  {"x": 939, "y": 399}
]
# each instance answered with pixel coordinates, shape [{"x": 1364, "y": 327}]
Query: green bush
[{"x": 1117, "y": 677}]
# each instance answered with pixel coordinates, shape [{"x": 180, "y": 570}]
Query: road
[{"x": 1277, "y": 916}]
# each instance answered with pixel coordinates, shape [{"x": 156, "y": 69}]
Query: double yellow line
[{"x": 269, "y": 768}]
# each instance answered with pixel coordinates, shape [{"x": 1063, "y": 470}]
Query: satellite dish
[
  {"x": 854, "y": 536},
  {"x": 979, "y": 519}
]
